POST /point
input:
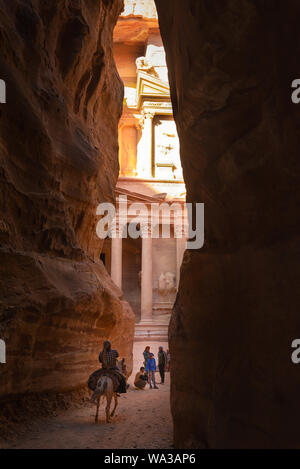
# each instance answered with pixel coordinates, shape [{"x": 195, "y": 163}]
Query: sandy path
[{"x": 143, "y": 420}]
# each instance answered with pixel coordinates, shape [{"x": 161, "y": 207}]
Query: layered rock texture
[
  {"x": 58, "y": 161},
  {"x": 231, "y": 65}
]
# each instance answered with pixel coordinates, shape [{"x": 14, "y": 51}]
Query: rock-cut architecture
[{"x": 147, "y": 269}]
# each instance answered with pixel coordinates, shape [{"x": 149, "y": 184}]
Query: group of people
[
  {"x": 118, "y": 372},
  {"x": 147, "y": 372}
]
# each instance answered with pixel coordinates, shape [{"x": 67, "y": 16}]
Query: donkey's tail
[{"x": 101, "y": 388}]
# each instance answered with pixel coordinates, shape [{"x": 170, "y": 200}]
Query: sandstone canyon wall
[
  {"x": 58, "y": 161},
  {"x": 231, "y": 65}
]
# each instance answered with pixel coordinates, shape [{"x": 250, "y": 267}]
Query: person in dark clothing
[
  {"x": 108, "y": 358},
  {"x": 141, "y": 379},
  {"x": 162, "y": 362}
]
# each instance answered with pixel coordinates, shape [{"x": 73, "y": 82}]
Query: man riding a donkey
[{"x": 109, "y": 381}]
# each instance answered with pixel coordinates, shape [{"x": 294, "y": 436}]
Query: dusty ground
[{"x": 143, "y": 420}]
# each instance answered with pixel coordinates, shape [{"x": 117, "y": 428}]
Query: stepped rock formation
[
  {"x": 231, "y": 65},
  {"x": 58, "y": 161}
]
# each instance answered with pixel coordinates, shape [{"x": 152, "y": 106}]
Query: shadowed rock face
[
  {"x": 58, "y": 161},
  {"x": 231, "y": 64}
]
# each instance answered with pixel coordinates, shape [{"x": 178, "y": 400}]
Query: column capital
[
  {"x": 117, "y": 228},
  {"x": 178, "y": 231},
  {"x": 181, "y": 230},
  {"x": 144, "y": 116},
  {"x": 148, "y": 114},
  {"x": 146, "y": 230}
]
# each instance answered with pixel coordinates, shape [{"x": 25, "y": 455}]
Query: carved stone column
[
  {"x": 116, "y": 260},
  {"x": 146, "y": 284}
]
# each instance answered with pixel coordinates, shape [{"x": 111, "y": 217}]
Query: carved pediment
[{"x": 151, "y": 86}]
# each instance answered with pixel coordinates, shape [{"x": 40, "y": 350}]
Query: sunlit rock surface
[
  {"x": 231, "y": 65},
  {"x": 58, "y": 161}
]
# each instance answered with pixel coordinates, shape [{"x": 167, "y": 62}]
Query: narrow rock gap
[{"x": 237, "y": 302}]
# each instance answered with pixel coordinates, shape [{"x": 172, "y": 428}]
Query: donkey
[{"x": 105, "y": 387}]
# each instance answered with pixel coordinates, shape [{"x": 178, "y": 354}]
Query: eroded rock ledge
[
  {"x": 58, "y": 161},
  {"x": 231, "y": 65}
]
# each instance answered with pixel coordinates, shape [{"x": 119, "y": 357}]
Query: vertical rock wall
[
  {"x": 58, "y": 161},
  {"x": 231, "y": 64}
]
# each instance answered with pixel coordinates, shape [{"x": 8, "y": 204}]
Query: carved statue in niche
[
  {"x": 167, "y": 140},
  {"x": 167, "y": 283},
  {"x": 167, "y": 155},
  {"x": 128, "y": 150},
  {"x": 142, "y": 63}
]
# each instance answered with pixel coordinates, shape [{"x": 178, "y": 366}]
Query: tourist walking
[
  {"x": 162, "y": 362},
  {"x": 151, "y": 369}
]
